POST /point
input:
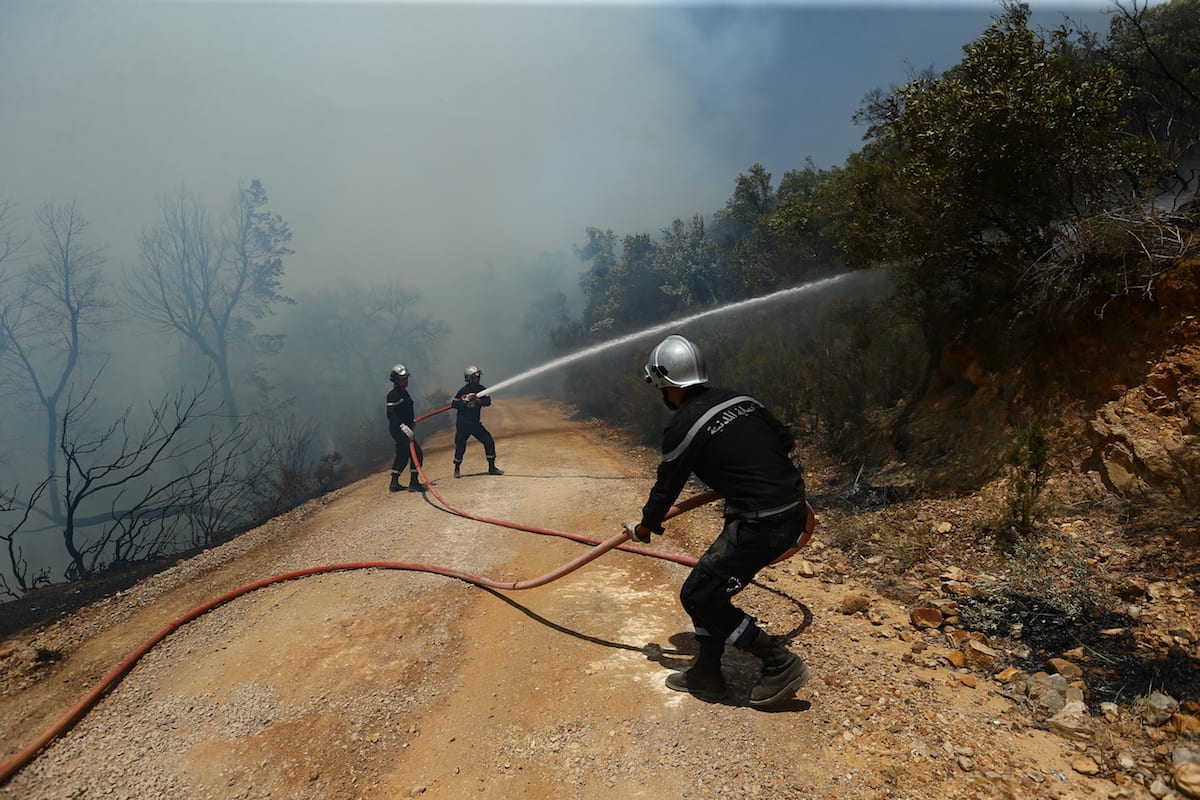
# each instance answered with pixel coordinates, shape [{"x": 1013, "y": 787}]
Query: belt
[{"x": 766, "y": 512}]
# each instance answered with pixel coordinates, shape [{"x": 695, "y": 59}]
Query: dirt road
[{"x": 376, "y": 683}]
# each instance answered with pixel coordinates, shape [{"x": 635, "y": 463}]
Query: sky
[{"x": 423, "y": 142}]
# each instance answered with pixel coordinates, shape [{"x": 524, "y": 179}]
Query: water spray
[{"x": 628, "y": 338}]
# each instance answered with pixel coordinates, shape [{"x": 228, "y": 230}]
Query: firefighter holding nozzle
[
  {"x": 737, "y": 448},
  {"x": 469, "y": 404}
]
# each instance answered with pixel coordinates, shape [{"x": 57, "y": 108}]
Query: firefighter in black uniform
[
  {"x": 469, "y": 406},
  {"x": 732, "y": 443},
  {"x": 401, "y": 416}
]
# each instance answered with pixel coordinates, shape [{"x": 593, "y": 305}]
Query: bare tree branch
[
  {"x": 16, "y": 557},
  {"x": 60, "y": 305},
  {"x": 153, "y": 482},
  {"x": 210, "y": 286}
]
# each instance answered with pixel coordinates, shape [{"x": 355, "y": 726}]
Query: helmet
[
  {"x": 471, "y": 372},
  {"x": 676, "y": 362},
  {"x": 398, "y": 371}
]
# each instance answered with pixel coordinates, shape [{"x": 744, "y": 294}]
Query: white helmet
[
  {"x": 471, "y": 372},
  {"x": 398, "y": 371},
  {"x": 676, "y": 362}
]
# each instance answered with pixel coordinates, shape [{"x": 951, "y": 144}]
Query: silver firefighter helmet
[
  {"x": 399, "y": 371},
  {"x": 676, "y": 362},
  {"x": 471, "y": 372}
]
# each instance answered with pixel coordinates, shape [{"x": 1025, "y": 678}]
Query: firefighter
[
  {"x": 469, "y": 406},
  {"x": 401, "y": 416},
  {"x": 736, "y": 447}
]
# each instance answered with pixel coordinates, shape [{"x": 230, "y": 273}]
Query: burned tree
[
  {"x": 136, "y": 488},
  {"x": 210, "y": 285},
  {"x": 57, "y": 304}
]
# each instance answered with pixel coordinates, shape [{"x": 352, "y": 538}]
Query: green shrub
[{"x": 1027, "y": 459}]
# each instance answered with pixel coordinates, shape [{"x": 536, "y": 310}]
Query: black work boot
[
  {"x": 493, "y": 469},
  {"x": 782, "y": 674},
  {"x": 395, "y": 485},
  {"x": 414, "y": 483},
  {"x": 703, "y": 678},
  {"x": 457, "y": 471}
]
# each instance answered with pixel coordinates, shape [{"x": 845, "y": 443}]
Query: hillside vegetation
[{"x": 1016, "y": 232}]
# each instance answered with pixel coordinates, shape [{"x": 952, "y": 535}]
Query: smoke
[{"x": 459, "y": 150}]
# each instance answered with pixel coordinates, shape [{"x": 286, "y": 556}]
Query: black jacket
[
  {"x": 399, "y": 410},
  {"x": 469, "y": 415},
  {"x": 735, "y": 446}
]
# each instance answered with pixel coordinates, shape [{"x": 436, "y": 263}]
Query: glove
[
  {"x": 407, "y": 431},
  {"x": 639, "y": 533},
  {"x": 469, "y": 399}
]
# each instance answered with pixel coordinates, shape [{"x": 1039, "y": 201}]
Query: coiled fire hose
[{"x": 76, "y": 712}]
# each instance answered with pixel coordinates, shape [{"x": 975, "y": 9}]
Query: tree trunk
[{"x": 52, "y": 460}]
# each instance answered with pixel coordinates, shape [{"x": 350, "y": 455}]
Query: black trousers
[
  {"x": 743, "y": 548},
  {"x": 403, "y": 455},
  {"x": 464, "y": 432}
]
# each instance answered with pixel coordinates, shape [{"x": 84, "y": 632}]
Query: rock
[
  {"x": 1185, "y": 754},
  {"x": 1007, "y": 675},
  {"x": 1130, "y": 588},
  {"x": 960, "y": 588},
  {"x": 1185, "y": 724},
  {"x": 1072, "y": 722},
  {"x": 959, "y": 638},
  {"x": 1051, "y": 701},
  {"x": 980, "y": 656},
  {"x": 1065, "y": 668},
  {"x": 1041, "y": 680},
  {"x": 1084, "y": 765},
  {"x": 926, "y": 617},
  {"x": 1159, "y": 708},
  {"x": 852, "y": 603},
  {"x": 956, "y": 658}
]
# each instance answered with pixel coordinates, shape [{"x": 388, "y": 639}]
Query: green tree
[
  {"x": 752, "y": 198},
  {"x": 689, "y": 263},
  {"x": 624, "y": 289},
  {"x": 769, "y": 238},
  {"x": 967, "y": 177},
  {"x": 792, "y": 241},
  {"x": 1028, "y": 461},
  {"x": 1157, "y": 49},
  {"x": 600, "y": 253}
]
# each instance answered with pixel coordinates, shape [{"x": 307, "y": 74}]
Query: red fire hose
[{"x": 81, "y": 707}]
